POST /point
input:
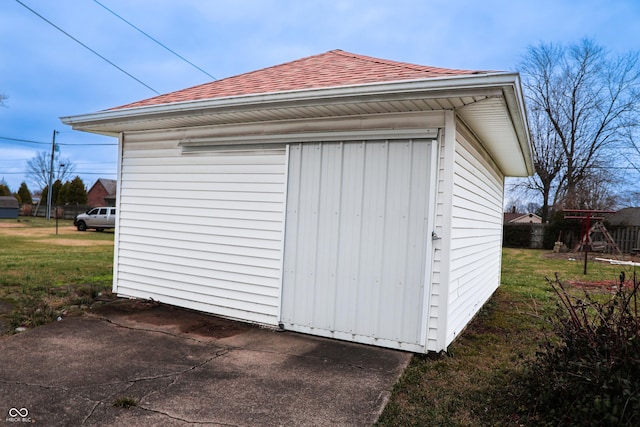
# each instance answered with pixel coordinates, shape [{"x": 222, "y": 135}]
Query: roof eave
[
  {"x": 502, "y": 84},
  {"x": 85, "y": 121}
]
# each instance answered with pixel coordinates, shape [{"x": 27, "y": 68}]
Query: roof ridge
[
  {"x": 408, "y": 65},
  {"x": 379, "y": 60},
  {"x": 306, "y": 58}
]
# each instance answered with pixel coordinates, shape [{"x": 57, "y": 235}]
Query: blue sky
[{"x": 46, "y": 75}]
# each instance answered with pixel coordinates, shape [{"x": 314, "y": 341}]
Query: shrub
[
  {"x": 516, "y": 235},
  {"x": 588, "y": 371}
]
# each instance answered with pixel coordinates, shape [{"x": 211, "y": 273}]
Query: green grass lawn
[
  {"x": 473, "y": 383},
  {"x": 48, "y": 270},
  {"x": 46, "y": 274}
]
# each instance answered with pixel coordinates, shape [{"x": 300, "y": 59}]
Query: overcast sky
[{"x": 47, "y": 75}]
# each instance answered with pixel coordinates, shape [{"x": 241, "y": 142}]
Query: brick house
[{"x": 102, "y": 193}]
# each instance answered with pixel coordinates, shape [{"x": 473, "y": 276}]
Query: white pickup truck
[{"x": 98, "y": 218}]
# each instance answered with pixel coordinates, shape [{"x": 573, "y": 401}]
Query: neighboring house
[
  {"x": 624, "y": 217},
  {"x": 337, "y": 195},
  {"x": 9, "y": 207},
  {"x": 520, "y": 218},
  {"x": 102, "y": 193},
  {"x": 515, "y": 236}
]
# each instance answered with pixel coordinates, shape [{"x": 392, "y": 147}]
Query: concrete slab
[{"x": 183, "y": 367}]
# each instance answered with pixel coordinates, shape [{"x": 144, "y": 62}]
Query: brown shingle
[{"x": 331, "y": 69}]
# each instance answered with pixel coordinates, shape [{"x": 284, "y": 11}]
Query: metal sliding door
[{"x": 356, "y": 240}]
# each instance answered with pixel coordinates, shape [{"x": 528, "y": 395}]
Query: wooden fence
[
  {"x": 627, "y": 238},
  {"x": 63, "y": 212}
]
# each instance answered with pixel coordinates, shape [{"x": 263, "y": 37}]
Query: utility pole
[{"x": 50, "y": 192}]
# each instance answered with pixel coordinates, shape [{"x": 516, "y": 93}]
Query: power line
[
  {"x": 156, "y": 41},
  {"x": 23, "y": 140},
  {"x": 87, "y": 47}
]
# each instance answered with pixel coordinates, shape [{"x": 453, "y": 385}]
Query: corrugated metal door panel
[
  {"x": 356, "y": 240},
  {"x": 352, "y": 232}
]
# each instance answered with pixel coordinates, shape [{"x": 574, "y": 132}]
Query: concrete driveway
[{"x": 180, "y": 367}]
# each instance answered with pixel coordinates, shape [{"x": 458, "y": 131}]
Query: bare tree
[
  {"x": 547, "y": 160},
  {"x": 582, "y": 101},
  {"x": 595, "y": 191},
  {"x": 38, "y": 169}
]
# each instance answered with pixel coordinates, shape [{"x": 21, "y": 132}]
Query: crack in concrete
[
  {"x": 175, "y": 375},
  {"x": 90, "y": 413},
  {"x": 174, "y": 417},
  {"x": 77, "y": 391}
]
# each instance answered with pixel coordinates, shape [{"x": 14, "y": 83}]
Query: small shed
[
  {"x": 9, "y": 207},
  {"x": 338, "y": 195}
]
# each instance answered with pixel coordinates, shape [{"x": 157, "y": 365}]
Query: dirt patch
[
  {"x": 62, "y": 238},
  {"x": 12, "y": 225},
  {"x": 21, "y": 230},
  {"x": 609, "y": 285},
  {"x": 159, "y": 316}
]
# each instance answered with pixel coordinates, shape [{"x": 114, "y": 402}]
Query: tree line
[{"x": 71, "y": 192}]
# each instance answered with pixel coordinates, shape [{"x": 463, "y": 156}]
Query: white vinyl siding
[
  {"x": 202, "y": 231},
  {"x": 358, "y": 240},
  {"x": 437, "y": 311},
  {"x": 476, "y": 233}
]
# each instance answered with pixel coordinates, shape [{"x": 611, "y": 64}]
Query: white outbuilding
[{"x": 337, "y": 195}]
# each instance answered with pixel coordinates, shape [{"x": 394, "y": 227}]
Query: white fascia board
[
  {"x": 298, "y": 97},
  {"x": 514, "y": 99}
]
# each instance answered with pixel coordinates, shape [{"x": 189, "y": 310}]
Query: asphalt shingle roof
[
  {"x": 331, "y": 69},
  {"x": 9, "y": 202},
  {"x": 109, "y": 185},
  {"x": 626, "y": 216}
]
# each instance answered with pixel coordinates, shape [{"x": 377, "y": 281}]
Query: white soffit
[{"x": 491, "y": 122}]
